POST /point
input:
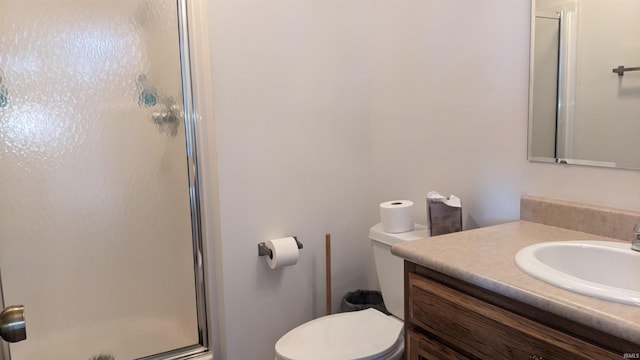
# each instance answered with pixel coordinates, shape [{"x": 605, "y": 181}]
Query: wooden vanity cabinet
[{"x": 446, "y": 318}]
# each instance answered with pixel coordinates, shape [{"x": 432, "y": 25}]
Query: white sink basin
[{"x": 603, "y": 269}]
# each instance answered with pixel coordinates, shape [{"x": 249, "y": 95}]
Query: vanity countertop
[{"x": 486, "y": 257}]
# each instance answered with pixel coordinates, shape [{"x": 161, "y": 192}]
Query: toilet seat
[{"x": 361, "y": 335}]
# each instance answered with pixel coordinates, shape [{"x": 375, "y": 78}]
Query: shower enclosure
[{"x": 99, "y": 213}]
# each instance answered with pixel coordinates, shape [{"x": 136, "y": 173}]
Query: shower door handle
[{"x": 12, "y": 324}]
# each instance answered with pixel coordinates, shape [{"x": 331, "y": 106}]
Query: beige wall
[
  {"x": 323, "y": 109},
  {"x": 290, "y": 100}
]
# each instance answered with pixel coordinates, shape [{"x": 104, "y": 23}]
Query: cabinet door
[{"x": 420, "y": 347}]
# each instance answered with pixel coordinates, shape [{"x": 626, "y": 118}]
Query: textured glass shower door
[{"x": 96, "y": 233}]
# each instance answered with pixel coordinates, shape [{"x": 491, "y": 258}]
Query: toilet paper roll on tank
[{"x": 396, "y": 216}]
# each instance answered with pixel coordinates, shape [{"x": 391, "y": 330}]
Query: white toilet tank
[{"x": 389, "y": 267}]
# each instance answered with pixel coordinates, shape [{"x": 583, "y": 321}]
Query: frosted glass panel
[{"x": 95, "y": 228}]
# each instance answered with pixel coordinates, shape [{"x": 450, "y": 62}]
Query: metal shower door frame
[{"x": 194, "y": 194}]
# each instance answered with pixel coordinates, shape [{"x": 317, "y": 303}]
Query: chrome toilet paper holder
[{"x": 263, "y": 250}]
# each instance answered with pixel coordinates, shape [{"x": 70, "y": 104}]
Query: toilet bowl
[{"x": 360, "y": 335}]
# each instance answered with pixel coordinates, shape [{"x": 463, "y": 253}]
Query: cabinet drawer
[
  {"x": 486, "y": 331},
  {"x": 420, "y": 347}
]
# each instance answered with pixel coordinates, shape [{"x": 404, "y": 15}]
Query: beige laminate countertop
[{"x": 486, "y": 257}]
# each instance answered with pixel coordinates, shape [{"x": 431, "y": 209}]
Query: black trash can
[{"x": 363, "y": 299}]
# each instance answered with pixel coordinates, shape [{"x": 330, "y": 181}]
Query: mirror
[{"x": 584, "y": 102}]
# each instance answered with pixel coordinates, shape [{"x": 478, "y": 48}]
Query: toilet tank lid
[{"x": 419, "y": 232}]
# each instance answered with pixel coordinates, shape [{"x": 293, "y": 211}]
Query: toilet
[{"x": 360, "y": 335}]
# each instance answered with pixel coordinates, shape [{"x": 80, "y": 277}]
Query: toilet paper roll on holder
[{"x": 263, "y": 250}]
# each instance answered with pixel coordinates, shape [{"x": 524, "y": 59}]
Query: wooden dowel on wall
[{"x": 327, "y": 239}]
